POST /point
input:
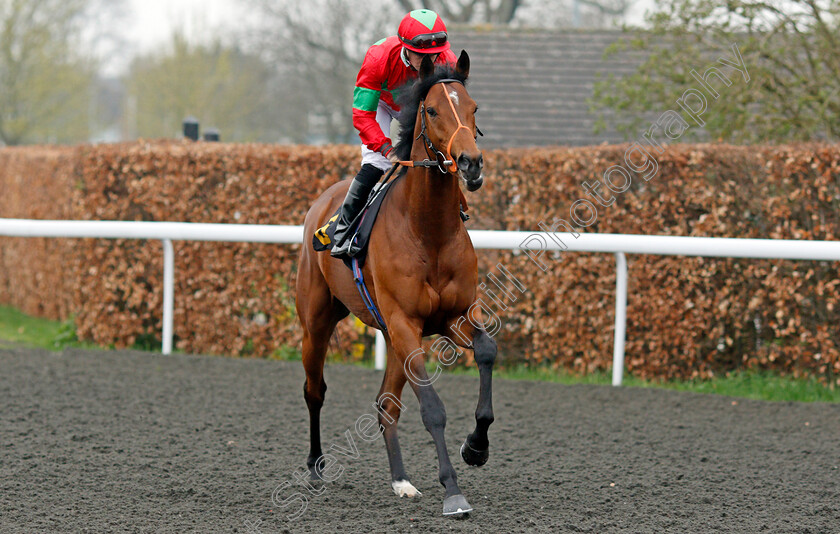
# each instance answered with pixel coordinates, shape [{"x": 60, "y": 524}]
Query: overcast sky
[
  {"x": 152, "y": 21},
  {"x": 148, "y": 25}
]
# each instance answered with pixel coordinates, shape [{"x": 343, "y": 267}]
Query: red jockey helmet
[{"x": 424, "y": 32}]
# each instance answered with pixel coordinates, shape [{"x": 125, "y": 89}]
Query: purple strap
[{"x": 363, "y": 291}]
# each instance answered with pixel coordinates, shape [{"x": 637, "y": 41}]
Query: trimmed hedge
[
  {"x": 687, "y": 317},
  {"x": 37, "y": 183}
]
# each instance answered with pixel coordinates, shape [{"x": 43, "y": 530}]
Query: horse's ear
[
  {"x": 463, "y": 66},
  {"x": 427, "y": 68}
]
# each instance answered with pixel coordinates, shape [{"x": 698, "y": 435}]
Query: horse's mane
[{"x": 412, "y": 94}]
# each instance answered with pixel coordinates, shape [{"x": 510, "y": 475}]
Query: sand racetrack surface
[{"x": 138, "y": 442}]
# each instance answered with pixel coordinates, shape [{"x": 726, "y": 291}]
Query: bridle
[{"x": 442, "y": 161}]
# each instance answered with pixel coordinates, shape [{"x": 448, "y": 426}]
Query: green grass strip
[{"x": 20, "y": 329}]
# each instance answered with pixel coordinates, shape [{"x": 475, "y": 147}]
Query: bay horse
[{"x": 421, "y": 272}]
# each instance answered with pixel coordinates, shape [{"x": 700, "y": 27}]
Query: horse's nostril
[
  {"x": 463, "y": 162},
  {"x": 481, "y": 161}
]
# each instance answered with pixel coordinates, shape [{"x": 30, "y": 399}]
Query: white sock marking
[{"x": 403, "y": 488}]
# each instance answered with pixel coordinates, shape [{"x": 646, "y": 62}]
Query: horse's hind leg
[
  {"x": 475, "y": 449},
  {"x": 314, "y": 389},
  {"x": 389, "y": 407},
  {"x": 318, "y": 315}
]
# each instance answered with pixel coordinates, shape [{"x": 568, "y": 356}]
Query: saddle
[{"x": 361, "y": 228}]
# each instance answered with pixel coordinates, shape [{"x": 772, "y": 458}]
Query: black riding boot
[{"x": 357, "y": 197}]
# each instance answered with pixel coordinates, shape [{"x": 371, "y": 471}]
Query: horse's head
[{"x": 448, "y": 116}]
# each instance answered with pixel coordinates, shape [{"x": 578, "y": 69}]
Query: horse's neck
[{"x": 431, "y": 202}]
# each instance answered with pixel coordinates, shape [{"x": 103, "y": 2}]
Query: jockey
[{"x": 388, "y": 65}]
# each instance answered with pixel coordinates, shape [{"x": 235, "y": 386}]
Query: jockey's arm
[{"x": 365, "y": 102}]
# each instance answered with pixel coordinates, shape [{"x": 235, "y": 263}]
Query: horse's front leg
[
  {"x": 476, "y": 448},
  {"x": 406, "y": 339}
]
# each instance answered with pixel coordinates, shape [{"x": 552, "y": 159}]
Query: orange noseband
[{"x": 454, "y": 167}]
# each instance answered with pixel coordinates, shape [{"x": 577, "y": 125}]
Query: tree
[
  {"x": 318, "y": 47},
  {"x": 45, "y": 71},
  {"x": 222, "y": 86},
  {"x": 789, "y": 46},
  {"x": 547, "y": 14}
]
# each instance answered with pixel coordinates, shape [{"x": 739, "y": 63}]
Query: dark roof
[{"x": 532, "y": 86}]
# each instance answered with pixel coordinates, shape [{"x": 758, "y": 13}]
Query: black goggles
[{"x": 426, "y": 40}]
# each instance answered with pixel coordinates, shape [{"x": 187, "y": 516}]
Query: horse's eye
[{"x": 431, "y": 112}]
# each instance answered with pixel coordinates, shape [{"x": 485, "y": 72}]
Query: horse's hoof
[
  {"x": 404, "y": 488},
  {"x": 456, "y": 506},
  {"x": 474, "y": 457}
]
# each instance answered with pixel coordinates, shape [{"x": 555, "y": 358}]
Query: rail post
[
  {"x": 620, "y": 317},
  {"x": 168, "y": 294}
]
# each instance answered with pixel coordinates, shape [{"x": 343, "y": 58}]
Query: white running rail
[{"x": 618, "y": 244}]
